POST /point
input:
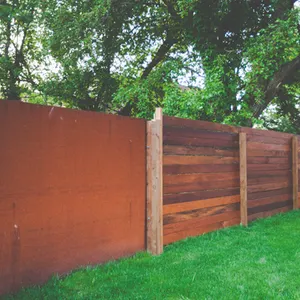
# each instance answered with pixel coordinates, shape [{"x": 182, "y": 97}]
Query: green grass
[{"x": 258, "y": 262}]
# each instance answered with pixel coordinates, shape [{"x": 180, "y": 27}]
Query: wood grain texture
[
  {"x": 268, "y": 186},
  {"x": 268, "y": 160},
  {"x": 282, "y": 140},
  {"x": 201, "y": 168},
  {"x": 269, "y": 213},
  {"x": 295, "y": 172},
  {"x": 268, "y": 167},
  {"x": 187, "y": 206},
  {"x": 269, "y": 193},
  {"x": 203, "y": 125},
  {"x": 269, "y": 200},
  {"x": 243, "y": 178},
  {"x": 171, "y": 228},
  {"x": 266, "y": 153},
  {"x": 197, "y": 230},
  {"x": 199, "y": 133},
  {"x": 193, "y": 150},
  {"x": 269, "y": 206},
  {"x": 269, "y": 173},
  {"x": 155, "y": 185},
  {"x": 202, "y": 186},
  {"x": 264, "y": 180},
  {"x": 170, "y": 180},
  {"x": 268, "y": 147},
  {"x": 190, "y": 160},
  {"x": 193, "y": 196},
  {"x": 198, "y": 141},
  {"x": 200, "y": 213}
]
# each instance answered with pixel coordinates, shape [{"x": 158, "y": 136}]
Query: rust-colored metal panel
[{"x": 72, "y": 190}]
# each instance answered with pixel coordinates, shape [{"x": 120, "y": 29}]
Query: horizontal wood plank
[
  {"x": 269, "y": 213},
  {"x": 179, "y": 140},
  {"x": 204, "y": 125},
  {"x": 269, "y": 206},
  {"x": 268, "y": 186},
  {"x": 202, "y": 186},
  {"x": 190, "y": 160},
  {"x": 269, "y": 200},
  {"x": 194, "y": 231},
  {"x": 282, "y": 140},
  {"x": 269, "y": 160},
  {"x": 202, "y": 168},
  {"x": 269, "y": 173},
  {"x": 264, "y": 146},
  {"x": 193, "y": 196},
  {"x": 193, "y": 150},
  {"x": 188, "y": 206},
  {"x": 201, "y": 221},
  {"x": 270, "y": 193},
  {"x": 170, "y": 180},
  {"x": 200, "y": 213},
  {"x": 199, "y": 133},
  {"x": 265, "y": 153},
  {"x": 266, "y": 167},
  {"x": 263, "y": 180}
]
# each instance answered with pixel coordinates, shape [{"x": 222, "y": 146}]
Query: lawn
[{"x": 258, "y": 262}]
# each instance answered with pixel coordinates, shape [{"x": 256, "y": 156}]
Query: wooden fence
[
  {"x": 72, "y": 190},
  {"x": 73, "y": 185},
  {"x": 216, "y": 176}
]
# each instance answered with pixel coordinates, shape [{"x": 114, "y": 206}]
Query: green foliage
[{"x": 258, "y": 262}]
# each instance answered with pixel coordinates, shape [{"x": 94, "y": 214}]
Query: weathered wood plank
[
  {"x": 243, "y": 178},
  {"x": 193, "y": 196},
  {"x": 282, "y": 140},
  {"x": 193, "y": 150},
  {"x": 268, "y": 186},
  {"x": 207, "y": 142},
  {"x": 200, "y": 221},
  {"x": 270, "y": 193},
  {"x": 200, "y": 213},
  {"x": 269, "y": 173},
  {"x": 199, "y": 133},
  {"x": 202, "y": 186},
  {"x": 269, "y": 213},
  {"x": 204, "y": 125},
  {"x": 295, "y": 172},
  {"x": 268, "y": 160},
  {"x": 198, "y": 230},
  {"x": 190, "y": 160},
  {"x": 171, "y": 180},
  {"x": 154, "y": 185},
  {"x": 263, "y": 180},
  {"x": 187, "y": 206},
  {"x": 266, "y": 167},
  {"x": 266, "y": 153},
  {"x": 202, "y": 168},
  {"x": 269, "y": 200},
  {"x": 272, "y": 147}
]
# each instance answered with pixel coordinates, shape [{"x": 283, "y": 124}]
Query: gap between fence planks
[
  {"x": 243, "y": 177},
  {"x": 155, "y": 184}
]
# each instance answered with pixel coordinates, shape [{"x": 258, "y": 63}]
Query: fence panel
[
  {"x": 72, "y": 190},
  {"x": 200, "y": 177},
  {"x": 269, "y": 168}
]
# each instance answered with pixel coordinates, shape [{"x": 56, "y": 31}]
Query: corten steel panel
[{"x": 72, "y": 190}]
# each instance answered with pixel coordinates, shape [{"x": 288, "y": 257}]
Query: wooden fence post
[
  {"x": 243, "y": 178},
  {"x": 295, "y": 171},
  {"x": 155, "y": 184}
]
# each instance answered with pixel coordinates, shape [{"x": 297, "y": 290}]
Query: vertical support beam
[
  {"x": 243, "y": 178},
  {"x": 295, "y": 171},
  {"x": 155, "y": 184}
]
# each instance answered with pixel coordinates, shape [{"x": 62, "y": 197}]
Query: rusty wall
[{"x": 72, "y": 190}]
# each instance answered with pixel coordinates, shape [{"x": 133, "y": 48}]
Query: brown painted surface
[{"x": 72, "y": 191}]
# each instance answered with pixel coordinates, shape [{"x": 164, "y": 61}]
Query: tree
[{"x": 18, "y": 50}]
